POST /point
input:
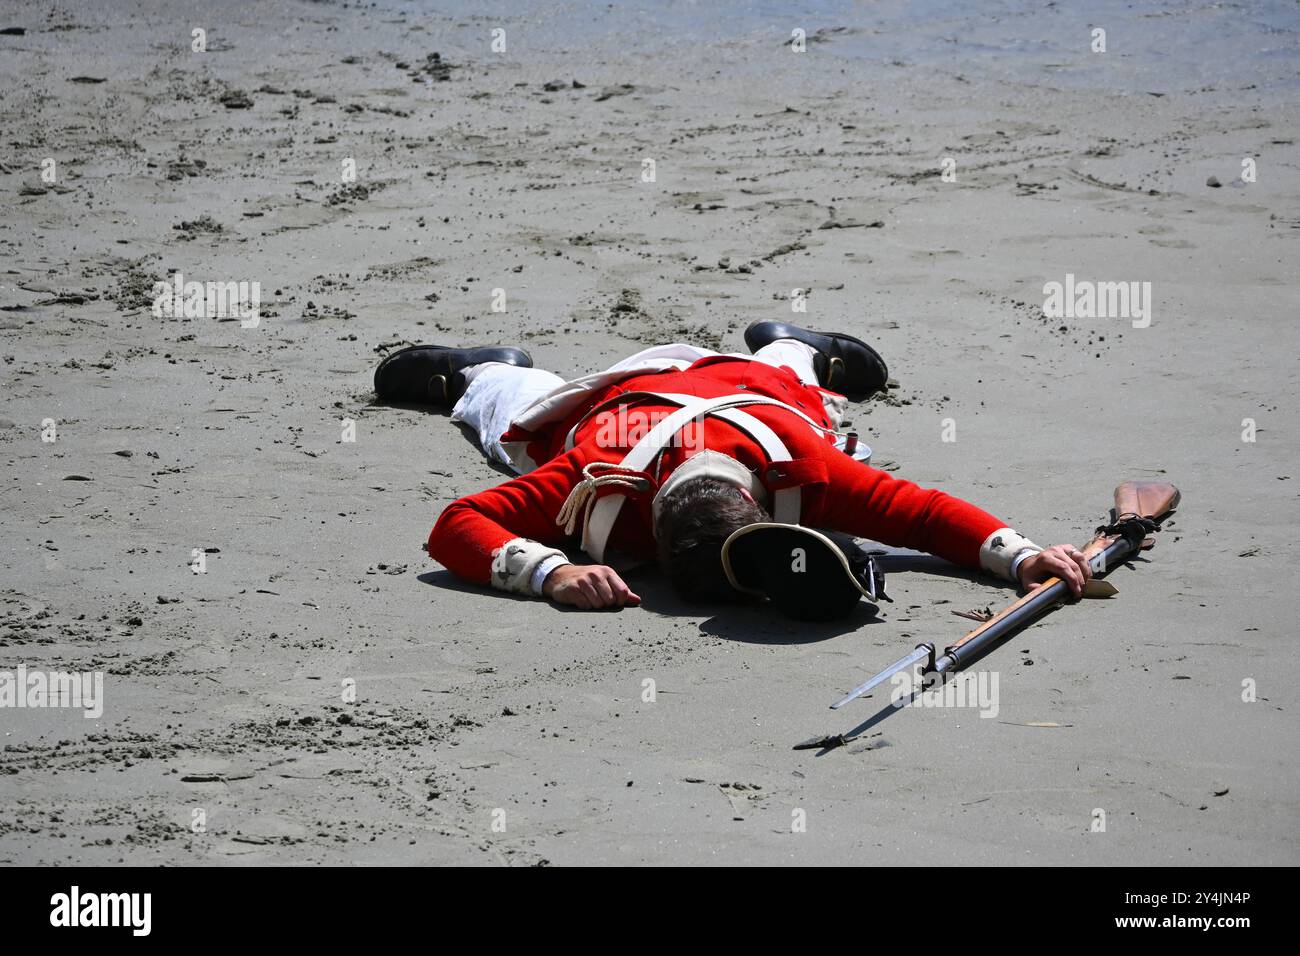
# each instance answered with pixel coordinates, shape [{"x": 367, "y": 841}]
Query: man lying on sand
[{"x": 671, "y": 452}]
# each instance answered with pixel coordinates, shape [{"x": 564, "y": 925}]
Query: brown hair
[{"x": 693, "y": 523}]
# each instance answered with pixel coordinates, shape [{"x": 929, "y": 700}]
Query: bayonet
[{"x": 922, "y": 652}]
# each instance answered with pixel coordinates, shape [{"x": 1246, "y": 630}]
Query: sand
[{"x": 323, "y": 693}]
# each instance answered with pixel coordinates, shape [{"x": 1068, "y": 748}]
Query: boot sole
[{"x": 391, "y": 356}]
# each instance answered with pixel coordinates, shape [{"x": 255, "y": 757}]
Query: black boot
[
  {"x": 430, "y": 374},
  {"x": 843, "y": 364}
]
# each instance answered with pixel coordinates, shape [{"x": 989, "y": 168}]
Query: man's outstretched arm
[
  {"x": 868, "y": 502},
  {"x": 507, "y": 537}
]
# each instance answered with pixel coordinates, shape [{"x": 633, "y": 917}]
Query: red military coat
[{"x": 500, "y": 535}]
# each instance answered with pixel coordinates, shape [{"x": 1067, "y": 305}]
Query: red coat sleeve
[
  {"x": 472, "y": 530},
  {"x": 870, "y": 503}
]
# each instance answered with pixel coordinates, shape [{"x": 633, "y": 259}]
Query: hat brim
[{"x": 800, "y": 570}]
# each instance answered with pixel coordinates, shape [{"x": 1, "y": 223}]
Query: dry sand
[{"x": 224, "y": 690}]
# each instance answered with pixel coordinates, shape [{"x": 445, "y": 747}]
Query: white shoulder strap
[{"x": 785, "y": 501}]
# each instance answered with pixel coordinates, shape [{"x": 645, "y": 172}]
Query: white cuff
[
  {"x": 542, "y": 570},
  {"x": 1002, "y": 552},
  {"x": 515, "y": 561}
]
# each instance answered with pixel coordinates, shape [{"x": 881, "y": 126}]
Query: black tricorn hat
[{"x": 808, "y": 574}]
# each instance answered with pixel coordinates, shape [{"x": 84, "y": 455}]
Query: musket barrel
[{"x": 1047, "y": 598}]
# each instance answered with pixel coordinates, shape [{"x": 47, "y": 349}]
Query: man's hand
[
  {"x": 1063, "y": 561},
  {"x": 588, "y": 586}
]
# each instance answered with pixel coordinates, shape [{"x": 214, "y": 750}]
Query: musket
[{"x": 1140, "y": 507}]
